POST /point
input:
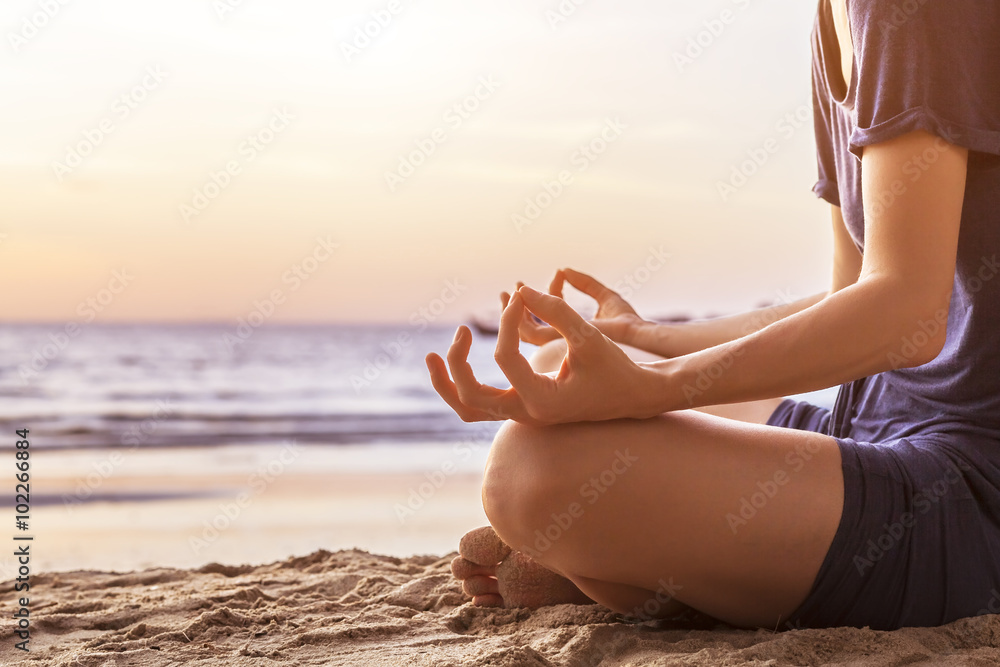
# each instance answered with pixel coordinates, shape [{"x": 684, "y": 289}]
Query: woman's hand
[
  {"x": 597, "y": 380},
  {"x": 615, "y": 318}
]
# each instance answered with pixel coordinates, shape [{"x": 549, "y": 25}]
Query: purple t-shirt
[{"x": 931, "y": 65}]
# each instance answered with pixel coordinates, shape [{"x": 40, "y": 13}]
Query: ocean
[
  {"x": 150, "y": 386},
  {"x": 209, "y": 385}
]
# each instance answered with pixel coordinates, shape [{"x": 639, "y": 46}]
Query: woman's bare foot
[{"x": 496, "y": 576}]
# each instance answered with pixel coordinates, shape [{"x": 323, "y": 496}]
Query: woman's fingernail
[{"x": 458, "y": 334}]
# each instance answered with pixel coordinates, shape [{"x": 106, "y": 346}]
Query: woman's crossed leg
[{"x": 732, "y": 518}]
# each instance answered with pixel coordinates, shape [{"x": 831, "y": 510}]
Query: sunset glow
[{"x": 207, "y": 148}]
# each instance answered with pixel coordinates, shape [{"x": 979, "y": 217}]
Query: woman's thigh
[{"x": 734, "y": 518}]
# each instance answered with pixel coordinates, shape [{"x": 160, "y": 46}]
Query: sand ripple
[{"x": 356, "y": 608}]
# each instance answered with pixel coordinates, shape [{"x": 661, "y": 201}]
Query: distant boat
[{"x": 485, "y": 327}]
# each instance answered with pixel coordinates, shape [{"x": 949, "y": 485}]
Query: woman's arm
[
  {"x": 675, "y": 340},
  {"x": 893, "y": 316},
  {"x": 617, "y": 320}
]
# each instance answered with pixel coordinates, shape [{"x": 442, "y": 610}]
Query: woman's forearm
[
  {"x": 676, "y": 340},
  {"x": 864, "y": 329}
]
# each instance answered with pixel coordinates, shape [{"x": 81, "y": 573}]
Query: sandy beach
[
  {"x": 283, "y": 582},
  {"x": 356, "y": 608}
]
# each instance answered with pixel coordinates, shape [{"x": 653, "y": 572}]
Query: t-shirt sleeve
[
  {"x": 826, "y": 160},
  {"x": 931, "y": 65}
]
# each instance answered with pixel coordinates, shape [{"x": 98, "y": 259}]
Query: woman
[{"x": 760, "y": 511}]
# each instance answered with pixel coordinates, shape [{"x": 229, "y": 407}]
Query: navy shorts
[{"x": 919, "y": 539}]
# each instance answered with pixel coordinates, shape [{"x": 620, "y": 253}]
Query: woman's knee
[
  {"x": 549, "y": 357},
  {"x": 541, "y": 480},
  {"x": 522, "y": 478}
]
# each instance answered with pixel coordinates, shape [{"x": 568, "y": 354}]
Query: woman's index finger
[
  {"x": 556, "y": 286},
  {"x": 587, "y": 284},
  {"x": 508, "y": 355},
  {"x": 558, "y": 314}
]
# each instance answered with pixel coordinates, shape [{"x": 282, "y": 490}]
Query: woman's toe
[
  {"x": 483, "y": 547},
  {"x": 476, "y": 586},
  {"x": 487, "y": 601},
  {"x": 463, "y": 569}
]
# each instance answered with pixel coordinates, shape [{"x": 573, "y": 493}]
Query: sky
[{"x": 351, "y": 161}]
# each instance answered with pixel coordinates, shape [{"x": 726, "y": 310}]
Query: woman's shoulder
[
  {"x": 943, "y": 20},
  {"x": 930, "y": 65}
]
